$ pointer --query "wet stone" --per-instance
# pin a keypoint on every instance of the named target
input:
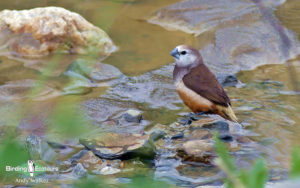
(178, 136)
(218, 125)
(79, 171)
(200, 134)
(75, 158)
(39, 149)
(119, 146)
(157, 134)
(197, 150)
(227, 80)
(95, 165)
(133, 116)
(20, 89)
(93, 70)
(107, 170)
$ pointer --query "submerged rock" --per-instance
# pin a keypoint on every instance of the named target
(24, 89)
(116, 146)
(40, 31)
(96, 71)
(242, 36)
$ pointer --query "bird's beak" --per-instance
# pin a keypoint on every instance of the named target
(175, 53)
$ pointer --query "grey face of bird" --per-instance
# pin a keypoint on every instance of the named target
(185, 56)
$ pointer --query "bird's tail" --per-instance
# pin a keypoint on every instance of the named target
(227, 113)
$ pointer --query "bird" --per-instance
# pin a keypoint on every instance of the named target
(197, 86)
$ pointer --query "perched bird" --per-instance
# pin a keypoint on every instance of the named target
(197, 86)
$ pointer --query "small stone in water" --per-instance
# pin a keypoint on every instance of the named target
(177, 136)
(107, 170)
(227, 80)
(133, 116)
(39, 148)
(79, 171)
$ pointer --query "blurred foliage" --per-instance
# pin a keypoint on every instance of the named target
(256, 177)
(145, 182)
(12, 153)
(137, 181)
(295, 164)
(90, 183)
(68, 120)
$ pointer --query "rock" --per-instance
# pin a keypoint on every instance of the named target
(200, 134)
(157, 134)
(117, 146)
(94, 164)
(159, 131)
(94, 70)
(241, 34)
(40, 31)
(197, 150)
(178, 136)
(22, 89)
(221, 126)
(133, 116)
(227, 80)
(104, 72)
(108, 170)
(211, 124)
(39, 149)
(78, 156)
(79, 171)
(294, 183)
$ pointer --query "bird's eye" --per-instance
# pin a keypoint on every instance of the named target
(183, 52)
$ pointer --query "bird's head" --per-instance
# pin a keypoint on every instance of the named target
(186, 56)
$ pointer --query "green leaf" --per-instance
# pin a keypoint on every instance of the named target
(90, 183)
(258, 175)
(11, 154)
(145, 182)
(295, 165)
(244, 177)
(222, 152)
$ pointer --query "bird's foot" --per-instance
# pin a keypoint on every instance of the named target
(200, 113)
(190, 118)
(196, 116)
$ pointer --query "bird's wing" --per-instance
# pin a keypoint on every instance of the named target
(202, 81)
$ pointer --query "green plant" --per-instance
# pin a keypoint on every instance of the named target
(256, 177)
(295, 164)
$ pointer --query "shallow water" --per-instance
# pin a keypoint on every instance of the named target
(265, 101)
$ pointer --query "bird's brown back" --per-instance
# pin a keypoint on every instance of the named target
(202, 81)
